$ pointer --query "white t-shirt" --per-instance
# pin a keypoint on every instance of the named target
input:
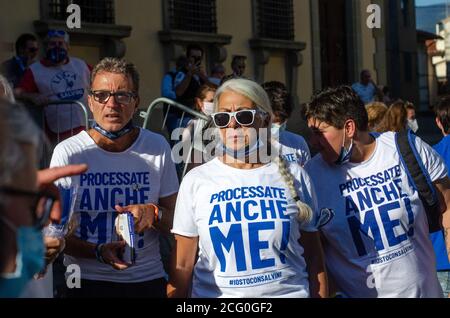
(389, 254)
(247, 229)
(292, 147)
(64, 82)
(141, 174)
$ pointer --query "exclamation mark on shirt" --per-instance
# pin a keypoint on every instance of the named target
(284, 240)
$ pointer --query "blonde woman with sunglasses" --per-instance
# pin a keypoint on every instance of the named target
(251, 216)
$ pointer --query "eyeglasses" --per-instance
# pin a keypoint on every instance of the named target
(40, 208)
(243, 117)
(120, 97)
(32, 49)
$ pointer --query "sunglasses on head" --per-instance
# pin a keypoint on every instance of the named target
(56, 33)
(244, 117)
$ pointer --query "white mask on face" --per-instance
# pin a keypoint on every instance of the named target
(412, 123)
(208, 108)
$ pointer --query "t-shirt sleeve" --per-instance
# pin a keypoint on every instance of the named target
(431, 160)
(27, 83)
(305, 155)
(60, 159)
(178, 79)
(167, 89)
(306, 193)
(169, 178)
(184, 221)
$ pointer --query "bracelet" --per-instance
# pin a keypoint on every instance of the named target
(98, 253)
(158, 213)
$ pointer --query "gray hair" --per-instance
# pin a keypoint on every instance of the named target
(247, 88)
(7, 92)
(259, 97)
(118, 66)
(17, 128)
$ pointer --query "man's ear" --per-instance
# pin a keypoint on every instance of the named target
(90, 102)
(350, 128)
(438, 123)
(138, 100)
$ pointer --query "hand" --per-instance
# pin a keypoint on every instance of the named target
(53, 246)
(192, 69)
(111, 254)
(40, 100)
(143, 215)
(45, 179)
(202, 73)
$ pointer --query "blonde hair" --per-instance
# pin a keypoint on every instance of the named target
(394, 119)
(304, 211)
(376, 112)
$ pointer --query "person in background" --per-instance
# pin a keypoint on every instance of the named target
(387, 99)
(238, 65)
(217, 73)
(168, 81)
(442, 111)
(377, 244)
(376, 112)
(26, 53)
(189, 79)
(411, 117)
(366, 88)
(57, 77)
(192, 134)
(292, 147)
(394, 119)
(168, 90)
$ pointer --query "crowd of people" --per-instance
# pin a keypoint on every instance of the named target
(256, 216)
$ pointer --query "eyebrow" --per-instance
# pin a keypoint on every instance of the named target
(237, 108)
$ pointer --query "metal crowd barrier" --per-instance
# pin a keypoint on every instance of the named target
(170, 103)
(66, 102)
(49, 146)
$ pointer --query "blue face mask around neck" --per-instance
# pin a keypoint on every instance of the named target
(345, 154)
(116, 134)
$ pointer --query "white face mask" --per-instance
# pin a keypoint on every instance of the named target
(208, 108)
(412, 123)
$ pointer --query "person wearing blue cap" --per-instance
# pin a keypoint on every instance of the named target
(56, 77)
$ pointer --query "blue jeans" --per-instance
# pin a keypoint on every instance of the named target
(444, 280)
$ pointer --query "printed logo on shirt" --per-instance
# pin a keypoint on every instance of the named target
(256, 217)
(290, 157)
(99, 193)
(375, 209)
(64, 86)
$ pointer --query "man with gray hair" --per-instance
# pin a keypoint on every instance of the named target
(131, 175)
(57, 77)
